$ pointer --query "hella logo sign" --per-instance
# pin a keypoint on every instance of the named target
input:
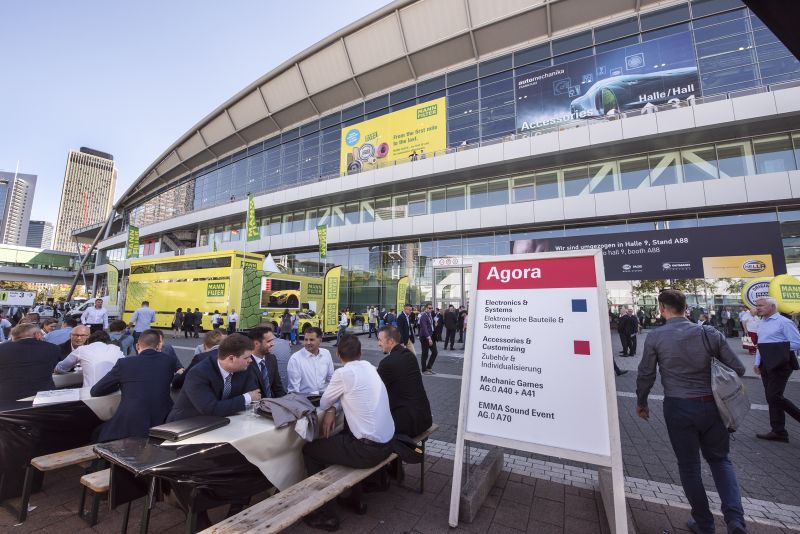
(754, 266)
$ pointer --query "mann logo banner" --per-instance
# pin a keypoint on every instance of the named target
(113, 283)
(331, 317)
(252, 226)
(410, 133)
(322, 234)
(215, 289)
(402, 289)
(133, 242)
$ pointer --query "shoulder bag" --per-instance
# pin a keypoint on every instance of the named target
(729, 393)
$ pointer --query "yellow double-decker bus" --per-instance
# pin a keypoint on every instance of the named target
(208, 281)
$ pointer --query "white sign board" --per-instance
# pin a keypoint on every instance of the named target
(538, 365)
(16, 298)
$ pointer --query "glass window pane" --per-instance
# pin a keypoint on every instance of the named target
(438, 201)
(603, 177)
(351, 213)
(275, 225)
(417, 204)
(367, 211)
(547, 185)
(299, 221)
(576, 181)
(337, 216)
(287, 224)
(383, 209)
(616, 30)
(324, 216)
(311, 220)
(524, 189)
(735, 159)
(699, 163)
(664, 17)
(634, 173)
(400, 206)
(455, 198)
(774, 154)
(497, 192)
(665, 168)
(477, 195)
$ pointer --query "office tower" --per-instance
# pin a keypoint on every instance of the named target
(87, 196)
(40, 234)
(16, 200)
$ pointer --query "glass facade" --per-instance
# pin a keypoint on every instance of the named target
(734, 51)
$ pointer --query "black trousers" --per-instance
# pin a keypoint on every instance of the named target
(231, 328)
(625, 339)
(434, 352)
(343, 449)
(633, 344)
(449, 338)
(774, 385)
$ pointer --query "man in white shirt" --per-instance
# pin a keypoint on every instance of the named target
(141, 320)
(95, 318)
(310, 369)
(343, 322)
(5, 325)
(744, 315)
(358, 391)
(96, 358)
(233, 318)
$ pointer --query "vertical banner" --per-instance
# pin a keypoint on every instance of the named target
(133, 242)
(402, 289)
(252, 226)
(331, 313)
(322, 234)
(112, 282)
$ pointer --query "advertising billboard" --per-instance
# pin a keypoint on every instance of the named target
(742, 251)
(403, 135)
(630, 78)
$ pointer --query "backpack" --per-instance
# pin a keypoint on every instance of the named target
(729, 393)
(118, 342)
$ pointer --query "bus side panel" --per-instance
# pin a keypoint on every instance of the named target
(235, 294)
(166, 297)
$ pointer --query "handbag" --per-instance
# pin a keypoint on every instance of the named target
(729, 393)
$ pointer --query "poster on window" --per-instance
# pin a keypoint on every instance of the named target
(636, 77)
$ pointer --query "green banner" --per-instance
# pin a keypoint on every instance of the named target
(252, 226)
(402, 289)
(322, 233)
(113, 284)
(331, 313)
(133, 242)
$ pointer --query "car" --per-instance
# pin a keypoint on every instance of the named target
(46, 311)
(288, 297)
(113, 311)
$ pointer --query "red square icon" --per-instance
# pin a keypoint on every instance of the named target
(581, 347)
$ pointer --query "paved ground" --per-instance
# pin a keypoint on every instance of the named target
(534, 493)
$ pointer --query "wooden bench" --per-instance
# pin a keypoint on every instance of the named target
(98, 483)
(52, 462)
(289, 506)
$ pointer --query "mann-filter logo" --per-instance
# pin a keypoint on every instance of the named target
(333, 288)
(315, 289)
(790, 292)
(215, 289)
(427, 111)
(754, 266)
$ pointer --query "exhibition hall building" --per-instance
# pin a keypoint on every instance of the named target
(434, 131)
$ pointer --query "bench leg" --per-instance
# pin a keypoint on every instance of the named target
(82, 503)
(26, 495)
(422, 469)
(125, 516)
(95, 509)
(191, 520)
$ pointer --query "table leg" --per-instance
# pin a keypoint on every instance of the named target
(148, 503)
(26, 495)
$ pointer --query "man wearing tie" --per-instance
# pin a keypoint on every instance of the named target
(219, 386)
(405, 326)
(264, 364)
(775, 360)
(428, 340)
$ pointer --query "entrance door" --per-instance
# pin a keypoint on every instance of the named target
(451, 286)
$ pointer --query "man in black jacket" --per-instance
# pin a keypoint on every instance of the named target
(450, 324)
(405, 326)
(26, 363)
(264, 364)
(145, 382)
(628, 327)
(219, 386)
(399, 371)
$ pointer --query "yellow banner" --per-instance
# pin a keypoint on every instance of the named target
(331, 317)
(133, 242)
(785, 289)
(409, 134)
(322, 234)
(402, 289)
(755, 266)
(112, 283)
(252, 226)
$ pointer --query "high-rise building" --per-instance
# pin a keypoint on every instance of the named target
(16, 200)
(86, 198)
(40, 234)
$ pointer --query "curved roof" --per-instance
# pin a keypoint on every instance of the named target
(402, 42)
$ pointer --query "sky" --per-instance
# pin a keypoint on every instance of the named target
(129, 78)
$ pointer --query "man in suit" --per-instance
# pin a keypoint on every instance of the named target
(144, 380)
(26, 363)
(77, 338)
(399, 371)
(428, 340)
(626, 327)
(211, 341)
(450, 324)
(405, 326)
(198, 322)
(219, 386)
(263, 364)
(778, 339)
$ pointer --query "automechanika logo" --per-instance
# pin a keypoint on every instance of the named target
(754, 266)
(676, 266)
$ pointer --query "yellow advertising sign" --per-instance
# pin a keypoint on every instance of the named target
(113, 284)
(404, 135)
(753, 266)
(785, 288)
(754, 290)
(402, 289)
(331, 310)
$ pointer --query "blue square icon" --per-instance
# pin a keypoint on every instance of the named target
(578, 305)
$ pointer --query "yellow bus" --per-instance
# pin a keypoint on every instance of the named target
(208, 281)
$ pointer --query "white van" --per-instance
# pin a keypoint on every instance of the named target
(113, 311)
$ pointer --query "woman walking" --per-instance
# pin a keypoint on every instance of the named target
(177, 322)
(286, 325)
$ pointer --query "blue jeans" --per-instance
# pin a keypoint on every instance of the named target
(294, 336)
(342, 331)
(695, 426)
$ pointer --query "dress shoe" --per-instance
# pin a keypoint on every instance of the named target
(772, 436)
(322, 521)
(622, 372)
(354, 505)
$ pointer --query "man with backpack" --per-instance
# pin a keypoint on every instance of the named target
(682, 351)
(121, 338)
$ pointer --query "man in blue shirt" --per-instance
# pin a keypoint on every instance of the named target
(142, 319)
(61, 335)
(778, 338)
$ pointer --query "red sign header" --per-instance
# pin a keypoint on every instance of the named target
(547, 273)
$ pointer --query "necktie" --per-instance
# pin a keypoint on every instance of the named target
(265, 376)
(226, 389)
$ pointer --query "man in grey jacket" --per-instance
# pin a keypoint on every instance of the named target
(693, 421)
